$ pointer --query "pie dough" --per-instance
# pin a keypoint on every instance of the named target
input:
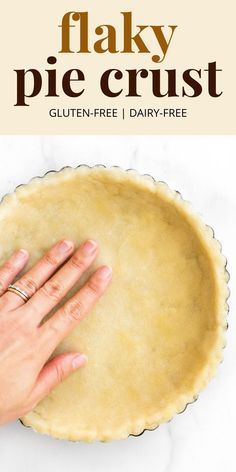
(155, 338)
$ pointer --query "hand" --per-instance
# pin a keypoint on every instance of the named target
(26, 375)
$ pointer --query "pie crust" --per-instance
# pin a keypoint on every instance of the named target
(156, 337)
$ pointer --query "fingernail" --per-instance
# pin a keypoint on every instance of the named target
(65, 246)
(21, 255)
(104, 273)
(79, 360)
(89, 247)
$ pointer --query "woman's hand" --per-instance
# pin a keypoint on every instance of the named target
(26, 375)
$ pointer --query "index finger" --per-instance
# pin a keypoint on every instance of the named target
(68, 316)
(55, 289)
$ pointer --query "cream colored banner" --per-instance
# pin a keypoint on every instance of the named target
(204, 40)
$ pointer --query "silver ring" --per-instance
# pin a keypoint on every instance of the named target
(19, 292)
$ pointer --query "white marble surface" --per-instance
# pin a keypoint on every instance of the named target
(202, 439)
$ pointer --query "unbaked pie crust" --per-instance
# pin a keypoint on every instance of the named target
(156, 337)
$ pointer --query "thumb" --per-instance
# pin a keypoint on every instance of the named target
(55, 371)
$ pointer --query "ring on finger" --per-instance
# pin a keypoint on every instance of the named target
(17, 291)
